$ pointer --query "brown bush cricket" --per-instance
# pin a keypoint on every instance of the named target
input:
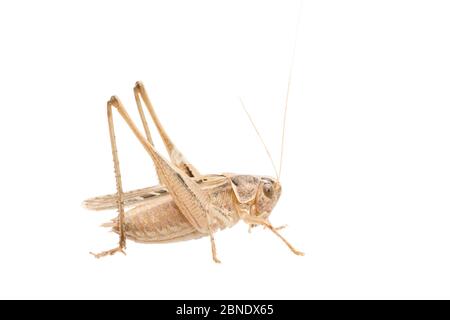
(186, 205)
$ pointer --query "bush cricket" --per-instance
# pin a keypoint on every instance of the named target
(186, 204)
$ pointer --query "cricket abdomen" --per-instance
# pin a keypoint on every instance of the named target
(160, 220)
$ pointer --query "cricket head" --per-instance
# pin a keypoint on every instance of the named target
(261, 194)
(269, 191)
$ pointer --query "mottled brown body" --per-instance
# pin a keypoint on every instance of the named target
(159, 220)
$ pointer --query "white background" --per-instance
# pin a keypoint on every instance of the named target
(366, 175)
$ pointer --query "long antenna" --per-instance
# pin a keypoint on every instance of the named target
(260, 137)
(289, 88)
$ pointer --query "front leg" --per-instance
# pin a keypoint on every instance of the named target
(259, 221)
(281, 227)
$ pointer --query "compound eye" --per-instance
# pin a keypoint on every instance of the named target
(268, 190)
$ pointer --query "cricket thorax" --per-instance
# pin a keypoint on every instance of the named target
(225, 214)
(258, 195)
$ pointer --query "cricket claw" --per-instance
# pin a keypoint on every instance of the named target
(108, 252)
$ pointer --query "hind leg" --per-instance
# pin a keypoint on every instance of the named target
(122, 239)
